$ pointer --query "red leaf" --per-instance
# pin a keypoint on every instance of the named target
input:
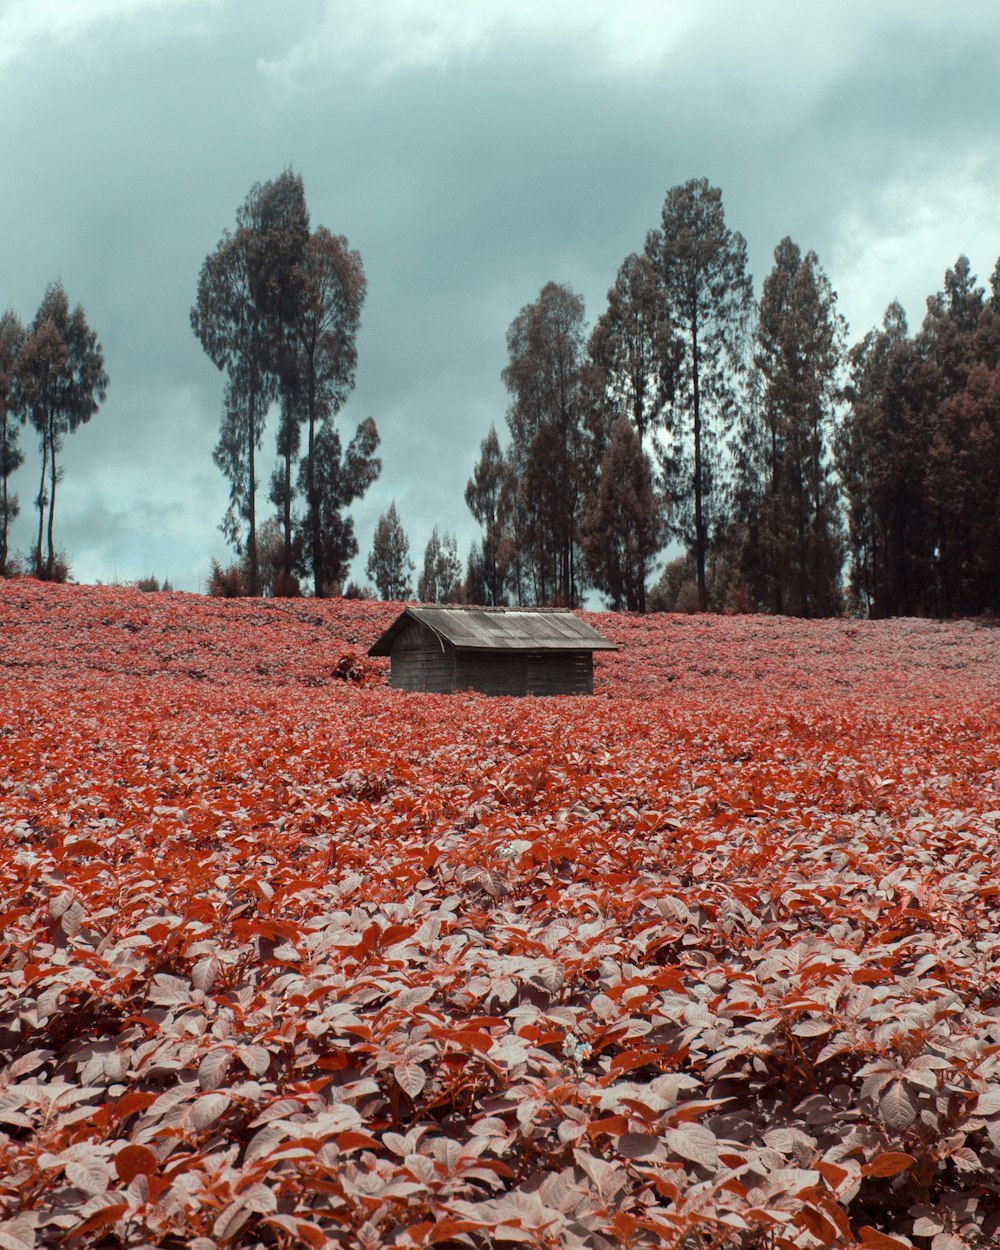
(132, 1161)
(446, 1230)
(837, 1215)
(306, 1231)
(834, 1174)
(613, 1125)
(100, 1219)
(469, 1039)
(624, 1226)
(889, 1164)
(352, 1140)
(311, 1234)
(629, 1060)
(808, 1218)
(395, 934)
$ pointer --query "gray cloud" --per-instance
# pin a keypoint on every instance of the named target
(470, 160)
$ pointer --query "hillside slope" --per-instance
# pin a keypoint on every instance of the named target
(710, 959)
(74, 630)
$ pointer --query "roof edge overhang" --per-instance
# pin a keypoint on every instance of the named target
(382, 645)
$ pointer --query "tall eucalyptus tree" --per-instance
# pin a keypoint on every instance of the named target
(545, 344)
(795, 551)
(62, 383)
(320, 366)
(249, 290)
(488, 494)
(706, 303)
(11, 455)
(633, 354)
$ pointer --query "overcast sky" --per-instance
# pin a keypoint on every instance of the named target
(471, 150)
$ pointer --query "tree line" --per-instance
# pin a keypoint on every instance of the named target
(792, 473)
(748, 434)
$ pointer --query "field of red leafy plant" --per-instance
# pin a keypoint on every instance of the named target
(290, 959)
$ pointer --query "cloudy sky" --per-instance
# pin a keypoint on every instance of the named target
(472, 150)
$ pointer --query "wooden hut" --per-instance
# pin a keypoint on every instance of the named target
(503, 651)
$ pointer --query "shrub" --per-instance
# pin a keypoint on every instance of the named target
(354, 667)
(285, 585)
(677, 589)
(14, 566)
(226, 583)
(59, 572)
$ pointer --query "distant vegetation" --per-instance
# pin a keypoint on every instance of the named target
(747, 432)
(278, 308)
(784, 471)
(152, 585)
(51, 377)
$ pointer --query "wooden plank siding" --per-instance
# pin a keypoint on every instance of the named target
(496, 651)
(525, 672)
(421, 661)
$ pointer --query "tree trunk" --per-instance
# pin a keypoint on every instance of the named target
(286, 562)
(314, 518)
(254, 586)
(40, 501)
(53, 478)
(4, 499)
(699, 519)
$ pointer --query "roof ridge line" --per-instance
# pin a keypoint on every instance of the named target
(482, 607)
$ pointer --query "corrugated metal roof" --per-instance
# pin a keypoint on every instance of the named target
(499, 629)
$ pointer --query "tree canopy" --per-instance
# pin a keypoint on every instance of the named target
(278, 307)
(793, 551)
(389, 563)
(739, 442)
(440, 580)
(545, 347)
(320, 377)
(248, 291)
(62, 383)
(918, 456)
(705, 297)
(338, 478)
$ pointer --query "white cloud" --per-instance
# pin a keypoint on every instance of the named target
(783, 49)
(26, 25)
(897, 243)
(393, 36)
